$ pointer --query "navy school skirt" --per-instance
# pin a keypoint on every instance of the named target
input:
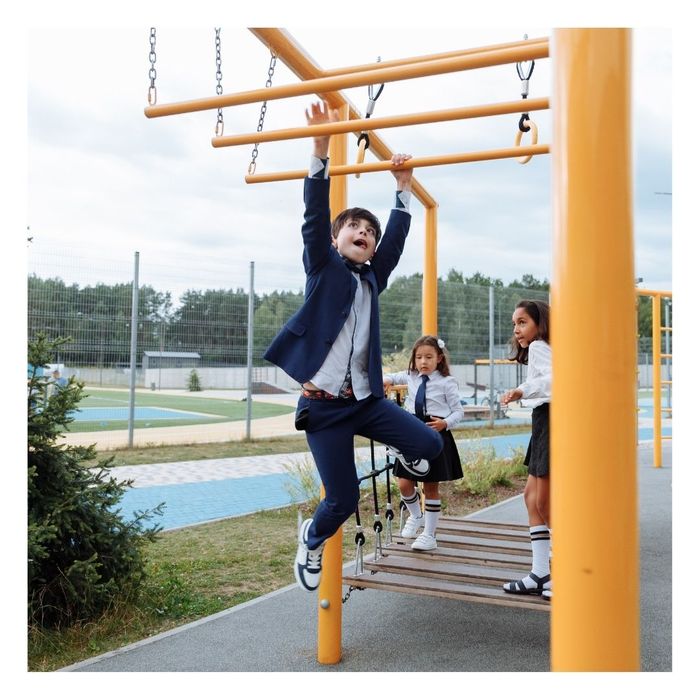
(447, 466)
(537, 457)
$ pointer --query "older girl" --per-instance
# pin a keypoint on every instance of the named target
(530, 345)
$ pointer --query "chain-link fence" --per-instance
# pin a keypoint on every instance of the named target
(193, 323)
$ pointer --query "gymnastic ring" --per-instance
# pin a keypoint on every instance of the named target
(363, 143)
(519, 136)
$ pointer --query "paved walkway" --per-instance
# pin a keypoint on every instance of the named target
(385, 631)
(204, 490)
(210, 489)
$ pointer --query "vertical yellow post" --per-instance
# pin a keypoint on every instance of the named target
(430, 295)
(330, 606)
(656, 368)
(595, 610)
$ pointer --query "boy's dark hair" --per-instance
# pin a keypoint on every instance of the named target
(538, 311)
(443, 366)
(356, 213)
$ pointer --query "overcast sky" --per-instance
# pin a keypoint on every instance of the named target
(105, 181)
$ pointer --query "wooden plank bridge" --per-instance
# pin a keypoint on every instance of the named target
(472, 561)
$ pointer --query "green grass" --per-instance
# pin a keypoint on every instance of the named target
(218, 410)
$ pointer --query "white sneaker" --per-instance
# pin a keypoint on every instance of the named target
(425, 542)
(410, 529)
(307, 565)
(416, 467)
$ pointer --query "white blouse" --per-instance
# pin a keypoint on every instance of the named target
(441, 395)
(537, 388)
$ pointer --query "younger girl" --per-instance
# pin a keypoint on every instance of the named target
(433, 396)
(530, 344)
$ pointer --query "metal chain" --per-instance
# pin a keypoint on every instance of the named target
(152, 92)
(263, 111)
(219, 129)
(346, 597)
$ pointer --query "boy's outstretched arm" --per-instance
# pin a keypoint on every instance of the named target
(403, 177)
(321, 113)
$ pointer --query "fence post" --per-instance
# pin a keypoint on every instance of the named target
(132, 353)
(249, 394)
(491, 367)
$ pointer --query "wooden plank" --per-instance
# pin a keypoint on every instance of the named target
(476, 543)
(481, 558)
(463, 528)
(444, 571)
(487, 524)
(445, 589)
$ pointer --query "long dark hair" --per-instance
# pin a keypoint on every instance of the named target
(443, 366)
(538, 311)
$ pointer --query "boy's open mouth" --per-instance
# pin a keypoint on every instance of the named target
(360, 243)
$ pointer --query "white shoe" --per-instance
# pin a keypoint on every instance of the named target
(410, 529)
(307, 565)
(416, 467)
(425, 542)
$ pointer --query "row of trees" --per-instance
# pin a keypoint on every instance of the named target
(214, 322)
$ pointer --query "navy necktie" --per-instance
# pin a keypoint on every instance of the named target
(420, 407)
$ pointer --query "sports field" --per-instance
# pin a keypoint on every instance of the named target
(109, 410)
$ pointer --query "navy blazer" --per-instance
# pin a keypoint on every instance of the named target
(303, 343)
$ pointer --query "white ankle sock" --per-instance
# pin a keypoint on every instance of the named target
(413, 504)
(432, 513)
(539, 537)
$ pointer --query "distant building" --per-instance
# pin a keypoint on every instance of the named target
(168, 360)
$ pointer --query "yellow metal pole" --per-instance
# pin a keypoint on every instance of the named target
(330, 606)
(421, 162)
(595, 610)
(356, 125)
(319, 86)
(430, 286)
(656, 369)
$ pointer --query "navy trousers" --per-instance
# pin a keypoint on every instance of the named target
(330, 428)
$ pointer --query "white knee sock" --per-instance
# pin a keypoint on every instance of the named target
(432, 513)
(539, 537)
(413, 503)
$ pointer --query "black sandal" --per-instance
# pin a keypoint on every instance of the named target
(519, 587)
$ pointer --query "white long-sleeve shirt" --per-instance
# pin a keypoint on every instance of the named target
(441, 395)
(352, 344)
(537, 387)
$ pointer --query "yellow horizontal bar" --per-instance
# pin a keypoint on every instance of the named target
(357, 125)
(319, 86)
(666, 355)
(667, 437)
(496, 154)
(432, 57)
(666, 381)
(653, 293)
(666, 328)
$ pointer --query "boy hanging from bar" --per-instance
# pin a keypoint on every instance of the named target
(331, 346)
